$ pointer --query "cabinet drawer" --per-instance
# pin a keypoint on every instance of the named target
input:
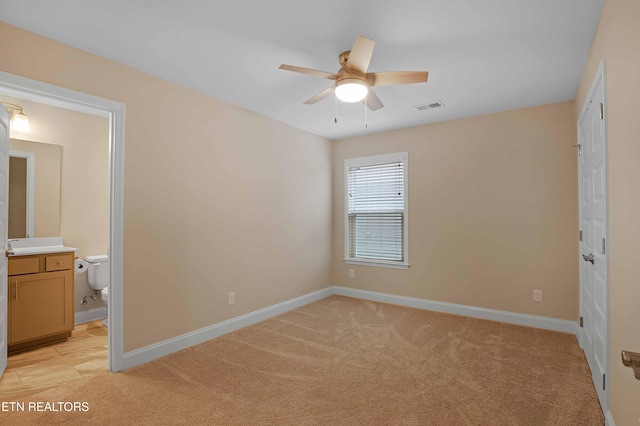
(25, 265)
(58, 263)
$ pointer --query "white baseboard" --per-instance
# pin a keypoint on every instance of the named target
(608, 419)
(82, 317)
(464, 310)
(160, 349)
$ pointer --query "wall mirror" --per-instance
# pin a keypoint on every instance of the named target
(34, 189)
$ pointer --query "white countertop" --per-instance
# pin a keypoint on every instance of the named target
(27, 246)
(40, 250)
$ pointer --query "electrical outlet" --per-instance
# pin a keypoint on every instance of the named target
(537, 295)
(351, 273)
(231, 298)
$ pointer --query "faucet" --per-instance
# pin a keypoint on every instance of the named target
(9, 247)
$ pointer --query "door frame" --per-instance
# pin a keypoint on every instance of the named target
(600, 75)
(49, 94)
(4, 230)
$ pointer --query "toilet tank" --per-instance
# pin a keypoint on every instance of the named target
(98, 273)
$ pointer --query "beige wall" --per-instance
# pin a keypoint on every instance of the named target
(47, 185)
(210, 205)
(492, 212)
(617, 41)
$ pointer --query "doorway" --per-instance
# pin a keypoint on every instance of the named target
(594, 259)
(36, 91)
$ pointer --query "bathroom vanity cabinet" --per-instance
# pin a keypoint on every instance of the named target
(40, 299)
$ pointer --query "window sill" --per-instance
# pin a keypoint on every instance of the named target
(379, 263)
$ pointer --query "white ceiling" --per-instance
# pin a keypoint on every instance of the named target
(483, 56)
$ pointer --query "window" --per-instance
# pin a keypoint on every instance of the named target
(376, 210)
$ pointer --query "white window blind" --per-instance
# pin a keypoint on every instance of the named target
(376, 213)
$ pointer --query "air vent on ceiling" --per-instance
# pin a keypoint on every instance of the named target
(432, 105)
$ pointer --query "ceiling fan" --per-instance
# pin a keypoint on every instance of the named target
(353, 82)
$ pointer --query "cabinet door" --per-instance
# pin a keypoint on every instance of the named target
(41, 305)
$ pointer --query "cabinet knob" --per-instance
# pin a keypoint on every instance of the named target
(59, 262)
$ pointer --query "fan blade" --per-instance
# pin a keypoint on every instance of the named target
(360, 54)
(320, 96)
(373, 101)
(389, 78)
(309, 71)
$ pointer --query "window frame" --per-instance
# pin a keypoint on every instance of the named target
(370, 161)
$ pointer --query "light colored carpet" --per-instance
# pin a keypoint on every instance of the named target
(343, 361)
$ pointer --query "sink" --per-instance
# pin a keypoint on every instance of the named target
(26, 246)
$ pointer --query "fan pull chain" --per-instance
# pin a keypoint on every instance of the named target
(335, 119)
(365, 111)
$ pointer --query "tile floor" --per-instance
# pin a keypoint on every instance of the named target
(84, 354)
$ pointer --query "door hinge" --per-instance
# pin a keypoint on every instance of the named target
(581, 322)
(580, 235)
(601, 111)
(604, 246)
(604, 381)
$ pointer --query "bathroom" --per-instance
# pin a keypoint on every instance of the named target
(71, 200)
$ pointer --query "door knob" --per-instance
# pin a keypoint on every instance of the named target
(632, 359)
(588, 258)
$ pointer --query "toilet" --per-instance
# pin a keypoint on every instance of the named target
(98, 277)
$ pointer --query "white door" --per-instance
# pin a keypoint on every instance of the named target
(594, 292)
(4, 214)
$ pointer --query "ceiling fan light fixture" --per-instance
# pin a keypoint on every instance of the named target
(351, 91)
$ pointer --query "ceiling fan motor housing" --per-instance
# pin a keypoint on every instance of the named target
(348, 75)
(344, 57)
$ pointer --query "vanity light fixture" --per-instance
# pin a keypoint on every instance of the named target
(19, 120)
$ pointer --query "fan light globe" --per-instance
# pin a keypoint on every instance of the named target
(351, 92)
